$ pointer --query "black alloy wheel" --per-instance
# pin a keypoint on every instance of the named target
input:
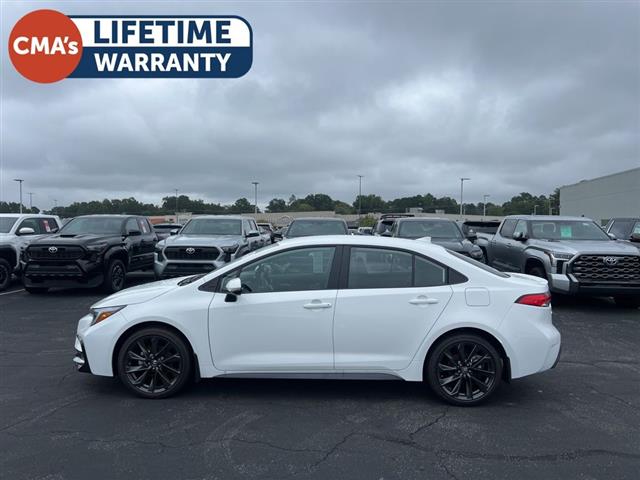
(115, 276)
(154, 363)
(5, 274)
(464, 369)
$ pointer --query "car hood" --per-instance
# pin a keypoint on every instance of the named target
(139, 293)
(201, 240)
(80, 239)
(605, 247)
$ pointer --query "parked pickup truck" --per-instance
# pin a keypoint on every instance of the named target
(574, 254)
(17, 230)
(625, 229)
(206, 243)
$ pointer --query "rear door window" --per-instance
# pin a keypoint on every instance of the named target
(380, 268)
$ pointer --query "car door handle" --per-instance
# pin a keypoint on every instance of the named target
(315, 305)
(423, 301)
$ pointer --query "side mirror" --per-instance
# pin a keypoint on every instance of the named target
(520, 236)
(612, 236)
(134, 233)
(277, 236)
(635, 237)
(253, 233)
(174, 231)
(386, 233)
(234, 286)
(26, 231)
(472, 236)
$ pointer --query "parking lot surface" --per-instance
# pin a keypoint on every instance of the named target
(580, 420)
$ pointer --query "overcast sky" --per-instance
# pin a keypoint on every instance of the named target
(519, 97)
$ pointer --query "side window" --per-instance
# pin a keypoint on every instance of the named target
(521, 227)
(508, 227)
(245, 226)
(429, 274)
(30, 223)
(132, 225)
(143, 226)
(48, 225)
(296, 270)
(379, 268)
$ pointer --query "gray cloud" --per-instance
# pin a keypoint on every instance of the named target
(519, 97)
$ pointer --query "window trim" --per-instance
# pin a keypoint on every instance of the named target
(334, 273)
(346, 259)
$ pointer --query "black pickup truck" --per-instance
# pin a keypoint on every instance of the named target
(90, 251)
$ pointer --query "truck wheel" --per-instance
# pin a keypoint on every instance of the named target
(36, 290)
(627, 301)
(5, 274)
(537, 271)
(114, 276)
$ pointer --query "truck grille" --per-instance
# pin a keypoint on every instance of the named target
(192, 253)
(607, 268)
(53, 252)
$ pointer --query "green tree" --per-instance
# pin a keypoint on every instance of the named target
(277, 205)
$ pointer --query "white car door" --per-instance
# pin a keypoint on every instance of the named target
(283, 320)
(389, 303)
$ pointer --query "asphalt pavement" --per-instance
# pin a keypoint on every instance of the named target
(580, 420)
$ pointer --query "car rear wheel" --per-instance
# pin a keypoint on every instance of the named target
(5, 274)
(154, 363)
(464, 369)
(114, 277)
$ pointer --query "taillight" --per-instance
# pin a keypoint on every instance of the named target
(535, 299)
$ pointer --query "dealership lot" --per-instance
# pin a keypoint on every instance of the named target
(579, 420)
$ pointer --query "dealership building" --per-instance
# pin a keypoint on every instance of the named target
(602, 198)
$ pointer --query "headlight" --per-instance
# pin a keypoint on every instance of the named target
(100, 314)
(97, 247)
(230, 248)
(560, 255)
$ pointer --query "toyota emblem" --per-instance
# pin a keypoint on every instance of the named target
(610, 261)
(190, 250)
(53, 249)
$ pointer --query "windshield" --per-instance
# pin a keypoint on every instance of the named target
(567, 230)
(213, 226)
(95, 225)
(6, 223)
(478, 264)
(429, 228)
(305, 228)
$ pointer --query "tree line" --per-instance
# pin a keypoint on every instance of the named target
(523, 203)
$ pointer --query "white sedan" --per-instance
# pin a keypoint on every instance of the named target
(328, 307)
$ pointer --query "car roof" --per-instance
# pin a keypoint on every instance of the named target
(227, 217)
(422, 219)
(547, 217)
(26, 215)
(631, 219)
(322, 219)
(360, 240)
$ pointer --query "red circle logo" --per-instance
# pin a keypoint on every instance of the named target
(45, 46)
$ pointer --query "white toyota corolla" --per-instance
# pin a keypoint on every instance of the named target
(328, 307)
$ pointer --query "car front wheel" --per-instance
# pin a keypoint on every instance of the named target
(464, 369)
(5, 274)
(114, 276)
(154, 363)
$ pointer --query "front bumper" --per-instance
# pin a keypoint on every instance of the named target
(80, 360)
(70, 274)
(569, 285)
(166, 268)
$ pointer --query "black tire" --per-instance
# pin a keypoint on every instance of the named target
(627, 301)
(154, 363)
(37, 290)
(114, 276)
(464, 369)
(537, 271)
(5, 274)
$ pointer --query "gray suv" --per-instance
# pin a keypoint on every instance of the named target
(206, 243)
(16, 231)
(574, 254)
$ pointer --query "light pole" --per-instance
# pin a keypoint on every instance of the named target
(30, 200)
(462, 179)
(19, 180)
(176, 190)
(359, 196)
(535, 209)
(255, 192)
(484, 205)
